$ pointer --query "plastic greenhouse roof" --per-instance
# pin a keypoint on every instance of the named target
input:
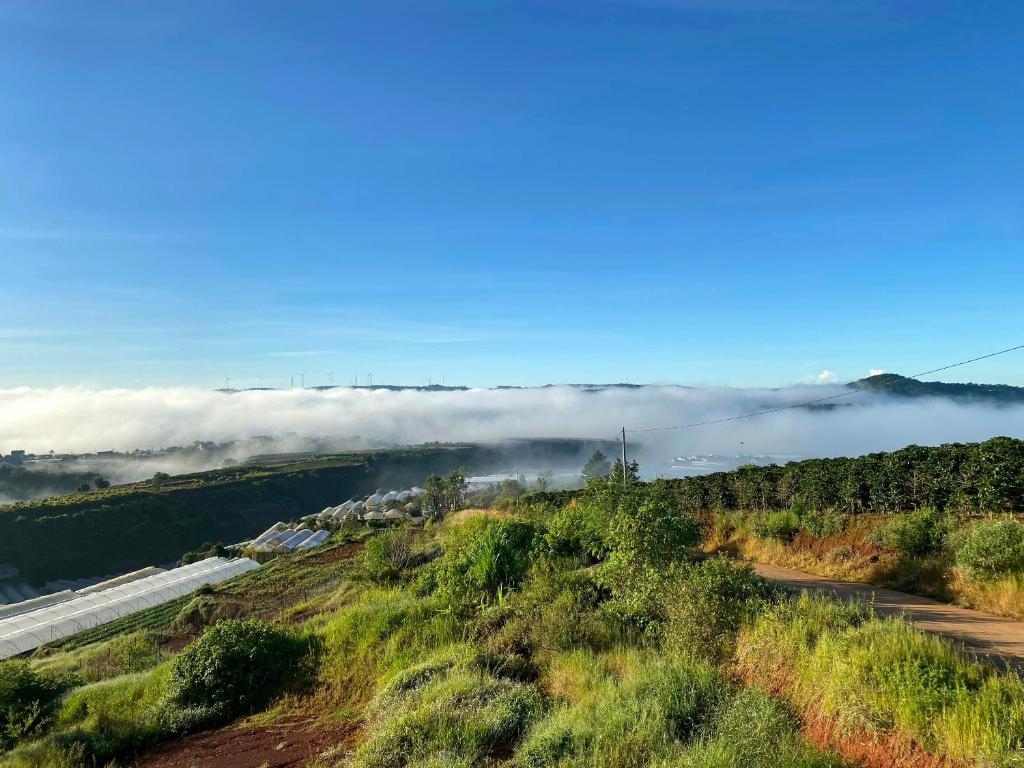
(27, 631)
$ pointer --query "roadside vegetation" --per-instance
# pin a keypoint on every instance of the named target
(584, 632)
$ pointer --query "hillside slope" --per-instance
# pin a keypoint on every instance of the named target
(902, 386)
(128, 527)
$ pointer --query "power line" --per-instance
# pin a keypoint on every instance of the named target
(852, 391)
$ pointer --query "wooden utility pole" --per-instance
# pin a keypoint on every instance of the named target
(623, 457)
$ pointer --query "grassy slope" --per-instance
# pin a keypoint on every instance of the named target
(538, 677)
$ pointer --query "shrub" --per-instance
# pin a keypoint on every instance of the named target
(556, 610)
(578, 530)
(27, 701)
(482, 558)
(389, 553)
(235, 667)
(707, 606)
(915, 533)
(647, 527)
(776, 525)
(991, 549)
(822, 524)
(649, 536)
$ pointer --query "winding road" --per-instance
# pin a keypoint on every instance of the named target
(998, 639)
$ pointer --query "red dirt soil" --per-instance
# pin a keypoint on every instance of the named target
(287, 743)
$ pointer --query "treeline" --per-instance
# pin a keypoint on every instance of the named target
(961, 477)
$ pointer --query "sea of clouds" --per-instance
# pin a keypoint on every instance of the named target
(83, 420)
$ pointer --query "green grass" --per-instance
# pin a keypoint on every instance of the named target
(544, 673)
(884, 677)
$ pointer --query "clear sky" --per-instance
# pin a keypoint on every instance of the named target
(698, 191)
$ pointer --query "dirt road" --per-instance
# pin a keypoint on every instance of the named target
(1000, 639)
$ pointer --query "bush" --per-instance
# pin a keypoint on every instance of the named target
(915, 533)
(822, 524)
(483, 557)
(235, 667)
(781, 526)
(649, 528)
(649, 536)
(386, 555)
(578, 530)
(27, 701)
(708, 605)
(991, 549)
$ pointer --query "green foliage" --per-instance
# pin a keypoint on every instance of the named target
(439, 716)
(579, 531)
(626, 709)
(120, 655)
(915, 533)
(235, 667)
(389, 553)
(27, 701)
(203, 551)
(884, 676)
(649, 534)
(755, 730)
(597, 466)
(820, 524)
(556, 610)
(991, 549)
(708, 604)
(483, 558)
(782, 525)
(649, 528)
(966, 477)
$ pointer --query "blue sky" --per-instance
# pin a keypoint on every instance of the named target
(744, 192)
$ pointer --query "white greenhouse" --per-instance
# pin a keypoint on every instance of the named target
(27, 631)
(315, 540)
(295, 540)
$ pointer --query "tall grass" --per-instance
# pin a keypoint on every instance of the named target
(877, 676)
(632, 708)
(386, 630)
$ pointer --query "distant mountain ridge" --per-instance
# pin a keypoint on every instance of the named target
(902, 386)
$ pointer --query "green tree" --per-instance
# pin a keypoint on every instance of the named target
(434, 495)
(597, 466)
(455, 487)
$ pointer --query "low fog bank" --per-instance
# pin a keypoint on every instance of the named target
(85, 420)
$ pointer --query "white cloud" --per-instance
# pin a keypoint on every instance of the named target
(826, 377)
(876, 372)
(83, 419)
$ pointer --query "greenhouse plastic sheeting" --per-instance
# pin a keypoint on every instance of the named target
(295, 540)
(27, 631)
(315, 540)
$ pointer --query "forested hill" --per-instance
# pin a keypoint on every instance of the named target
(902, 386)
